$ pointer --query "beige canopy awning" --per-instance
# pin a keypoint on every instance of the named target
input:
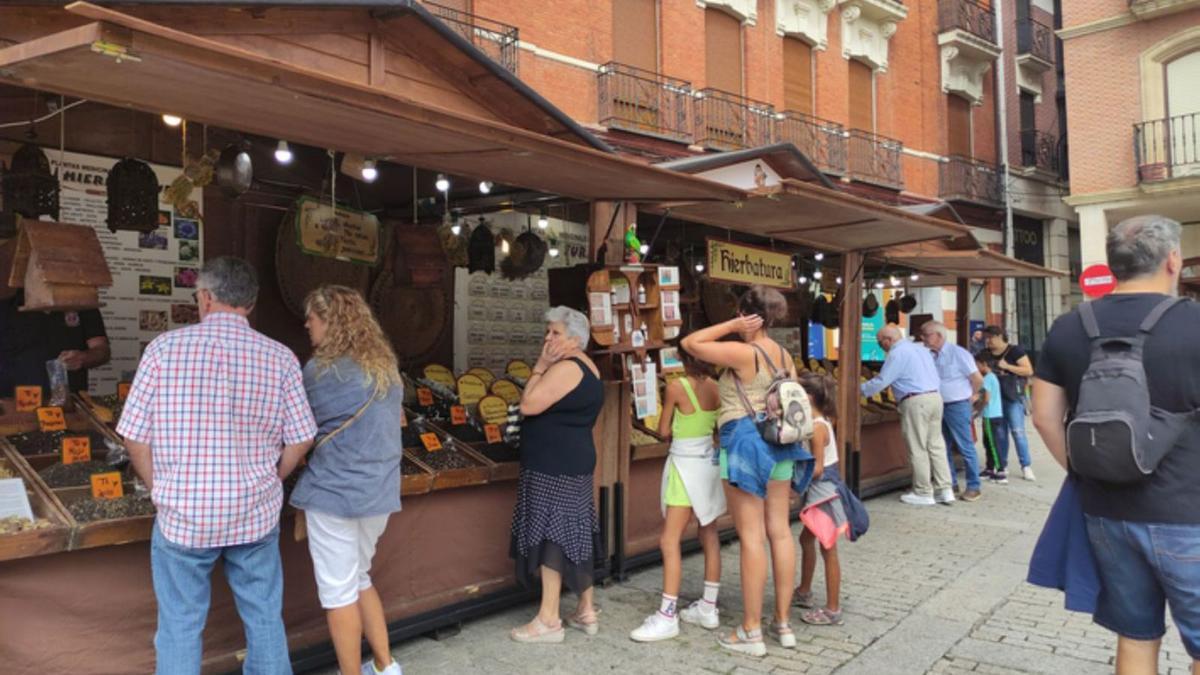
(935, 258)
(123, 60)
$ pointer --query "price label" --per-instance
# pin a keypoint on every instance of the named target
(519, 370)
(492, 432)
(51, 418)
(483, 374)
(458, 415)
(507, 391)
(424, 396)
(431, 442)
(107, 485)
(439, 374)
(493, 410)
(123, 390)
(28, 398)
(471, 389)
(76, 449)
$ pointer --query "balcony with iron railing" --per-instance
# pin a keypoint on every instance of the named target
(822, 141)
(1040, 151)
(1035, 39)
(874, 159)
(499, 41)
(1168, 148)
(963, 179)
(644, 102)
(726, 121)
(968, 16)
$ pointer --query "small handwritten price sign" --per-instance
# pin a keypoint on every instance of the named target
(424, 396)
(28, 398)
(492, 432)
(458, 415)
(107, 485)
(123, 390)
(51, 418)
(76, 449)
(431, 442)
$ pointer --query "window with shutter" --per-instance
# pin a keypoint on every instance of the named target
(723, 51)
(958, 113)
(797, 76)
(635, 34)
(862, 96)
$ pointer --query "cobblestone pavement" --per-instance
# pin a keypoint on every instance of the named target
(927, 590)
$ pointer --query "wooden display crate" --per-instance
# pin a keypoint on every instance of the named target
(35, 542)
(103, 532)
(416, 483)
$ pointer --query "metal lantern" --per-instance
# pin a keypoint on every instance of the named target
(29, 188)
(132, 196)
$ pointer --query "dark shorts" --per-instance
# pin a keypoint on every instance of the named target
(1144, 567)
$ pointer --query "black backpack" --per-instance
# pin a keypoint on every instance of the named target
(1116, 435)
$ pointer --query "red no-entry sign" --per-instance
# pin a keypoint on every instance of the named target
(1097, 281)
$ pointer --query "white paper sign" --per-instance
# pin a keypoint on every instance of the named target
(13, 500)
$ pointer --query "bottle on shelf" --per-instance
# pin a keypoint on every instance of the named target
(628, 324)
(641, 294)
(616, 333)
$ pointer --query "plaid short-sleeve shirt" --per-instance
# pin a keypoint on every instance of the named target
(216, 403)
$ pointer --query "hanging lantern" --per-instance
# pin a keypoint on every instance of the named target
(30, 190)
(132, 196)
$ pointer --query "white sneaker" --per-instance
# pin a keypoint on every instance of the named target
(1027, 473)
(696, 613)
(656, 627)
(368, 668)
(914, 499)
(945, 496)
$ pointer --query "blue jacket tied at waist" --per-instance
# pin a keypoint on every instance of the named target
(751, 458)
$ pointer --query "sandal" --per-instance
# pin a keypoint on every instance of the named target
(588, 622)
(805, 600)
(536, 632)
(744, 643)
(822, 616)
(783, 633)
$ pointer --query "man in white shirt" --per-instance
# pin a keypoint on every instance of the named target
(960, 383)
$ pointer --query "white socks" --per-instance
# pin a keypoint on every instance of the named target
(711, 590)
(669, 606)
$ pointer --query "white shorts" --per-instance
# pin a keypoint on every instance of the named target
(341, 549)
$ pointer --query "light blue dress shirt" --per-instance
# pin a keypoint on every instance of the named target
(955, 366)
(908, 369)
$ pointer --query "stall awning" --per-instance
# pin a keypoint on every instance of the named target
(123, 60)
(815, 216)
(935, 258)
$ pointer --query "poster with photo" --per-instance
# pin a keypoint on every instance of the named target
(154, 273)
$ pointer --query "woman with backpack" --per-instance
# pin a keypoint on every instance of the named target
(757, 474)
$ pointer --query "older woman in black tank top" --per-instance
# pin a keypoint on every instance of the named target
(554, 531)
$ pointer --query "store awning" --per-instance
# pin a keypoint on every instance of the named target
(815, 216)
(123, 60)
(936, 259)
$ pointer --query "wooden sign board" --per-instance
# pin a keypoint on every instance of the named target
(748, 265)
(346, 234)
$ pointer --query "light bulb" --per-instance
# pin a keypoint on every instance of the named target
(645, 249)
(369, 172)
(819, 257)
(793, 263)
(839, 281)
(818, 274)
(456, 229)
(699, 267)
(914, 277)
(485, 187)
(803, 279)
(879, 284)
(553, 251)
(894, 281)
(504, 246)
(543, 221)
(443, 183)
(172, 120)
(283, 154)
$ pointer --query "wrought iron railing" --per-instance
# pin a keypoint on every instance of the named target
(967, 15)
(970, 180)
(874, 159)
(499, 41)
(1036, 39)
(1167, 148)
(824, 142)
(726, 121)
(1039, 150)
(644, 102)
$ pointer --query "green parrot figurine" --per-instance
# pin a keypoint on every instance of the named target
(633, 245)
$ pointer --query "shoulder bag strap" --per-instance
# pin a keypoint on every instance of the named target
(770, 363)
(1088, 316)
(345, 425)
(1157, 313)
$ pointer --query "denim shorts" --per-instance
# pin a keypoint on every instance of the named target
(1143, 568)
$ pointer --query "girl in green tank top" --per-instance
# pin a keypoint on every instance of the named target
(691, 485)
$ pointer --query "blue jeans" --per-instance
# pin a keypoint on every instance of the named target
(995, 443)
(1014, 414)
(956, 429)
(1144, 567)
(182, 585)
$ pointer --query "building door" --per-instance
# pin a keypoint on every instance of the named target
(797, 76)
(1028, 113)
(958, 111)
(637, 96)
(1183, 114)
(1032, 319)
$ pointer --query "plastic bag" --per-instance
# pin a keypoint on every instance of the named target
(60, 391)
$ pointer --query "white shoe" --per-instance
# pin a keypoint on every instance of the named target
(914, 499)
(696, 614)
(945, 496)
(393, 668)
(656, 627)
(1027, 473)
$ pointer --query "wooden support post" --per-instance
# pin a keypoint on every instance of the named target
(962, 312)
(378, 60)
(602, 215)
(849, 430)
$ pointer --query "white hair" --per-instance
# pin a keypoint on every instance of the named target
(574, 321)
(939, 327)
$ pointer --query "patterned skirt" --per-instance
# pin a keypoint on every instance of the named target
(554, 524)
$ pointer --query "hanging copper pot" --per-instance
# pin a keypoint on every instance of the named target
(235, 172)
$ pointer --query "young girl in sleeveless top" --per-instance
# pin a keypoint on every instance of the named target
(691, 483)
(830, 522)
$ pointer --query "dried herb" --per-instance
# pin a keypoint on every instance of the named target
(72, 475)
(129, 506)
(409, 468)
(14, 524)
(445, 459)
(500, 452)
(50, 442)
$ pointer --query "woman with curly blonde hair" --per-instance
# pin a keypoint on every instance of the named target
(352, 482)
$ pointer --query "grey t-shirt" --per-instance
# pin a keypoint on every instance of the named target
(357, 472)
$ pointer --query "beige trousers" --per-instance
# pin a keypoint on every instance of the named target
(921, 424)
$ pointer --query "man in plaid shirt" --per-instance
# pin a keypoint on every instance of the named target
(217, 417)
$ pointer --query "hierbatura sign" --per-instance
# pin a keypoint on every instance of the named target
(748, 265)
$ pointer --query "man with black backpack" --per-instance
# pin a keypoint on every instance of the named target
(1115, 399)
